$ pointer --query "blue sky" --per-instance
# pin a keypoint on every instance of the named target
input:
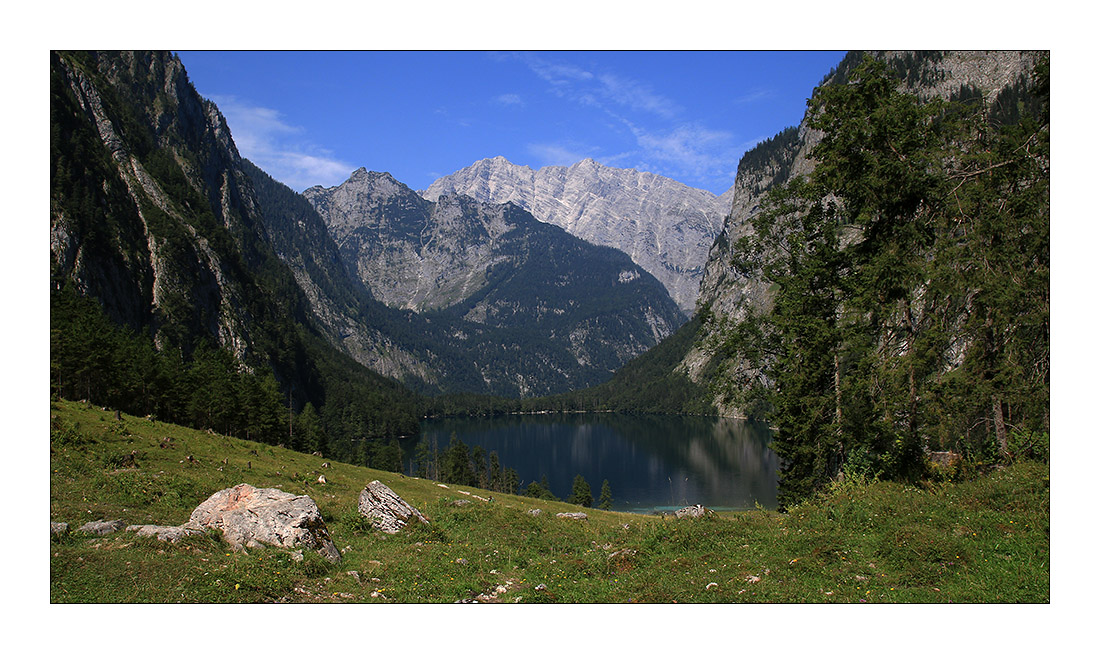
(313, 117)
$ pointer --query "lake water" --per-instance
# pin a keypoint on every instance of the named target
(653, 463)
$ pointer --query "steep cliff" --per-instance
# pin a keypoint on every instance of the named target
(153, 216)
(150, 212)
(666, 227)
(995, 77)
(501, 273)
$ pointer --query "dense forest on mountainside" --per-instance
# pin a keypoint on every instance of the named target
(158, 257)
(911, 275)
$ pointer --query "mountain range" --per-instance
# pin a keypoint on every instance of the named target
(156, 216)
(665, 226)
(497, 279)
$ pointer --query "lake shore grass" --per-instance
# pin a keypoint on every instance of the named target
(984, 540)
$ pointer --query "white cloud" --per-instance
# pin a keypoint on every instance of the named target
(510, 99)
(555, 154)
(636, 96)
(691, 150)
(281, 150)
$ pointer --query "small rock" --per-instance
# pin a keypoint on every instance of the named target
(535, 512)
(321, 480)
(696, 511)
(460, 502)
(540, 587)
(297, 555)
(461, 561)
(165, 534)
(575, 516)
(58, 528)
(101, 527)
(712, 585)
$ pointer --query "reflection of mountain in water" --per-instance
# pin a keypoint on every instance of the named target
(650, 461)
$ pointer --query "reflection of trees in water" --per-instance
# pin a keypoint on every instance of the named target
(689, 457)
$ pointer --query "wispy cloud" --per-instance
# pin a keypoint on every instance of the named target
(600, 89)
(556, 154)
(510, 99)
(282, 150)
(754, 96)
(690, 148)
(637, 96)
(664, 138)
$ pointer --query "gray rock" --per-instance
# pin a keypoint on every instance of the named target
(460, 502)
(665, 226)
(389, 512)
(58, 528)
(575, 516)
(101, 527)
(947, 460)
(249, 517)
(535, 512)
(166, 534)
(696, 511)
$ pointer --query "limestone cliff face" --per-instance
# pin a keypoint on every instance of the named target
(494, 266)
(926, 74)
(664, 226)
(161, 186)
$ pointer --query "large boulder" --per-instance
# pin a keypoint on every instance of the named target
(248, 517)
(386, 510)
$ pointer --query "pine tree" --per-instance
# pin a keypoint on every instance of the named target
(581, 493)
(605, 496)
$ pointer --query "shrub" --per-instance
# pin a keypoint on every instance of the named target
(1028, 444)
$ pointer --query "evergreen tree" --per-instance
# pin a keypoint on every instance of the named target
(511, 481)
(455, 466)
(496, 483)
(581, 493)
(910, 277)
(480, 467)
(605, 496)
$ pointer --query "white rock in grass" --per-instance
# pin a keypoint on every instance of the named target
(389, 512)
(249, 517)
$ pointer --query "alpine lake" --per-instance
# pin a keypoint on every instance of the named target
(652, 463)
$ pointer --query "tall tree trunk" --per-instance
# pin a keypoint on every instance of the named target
(839, 415)
(999, 427)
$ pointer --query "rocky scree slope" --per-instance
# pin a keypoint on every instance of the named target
(664, 226)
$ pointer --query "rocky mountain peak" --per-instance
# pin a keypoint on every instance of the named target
(664, 226)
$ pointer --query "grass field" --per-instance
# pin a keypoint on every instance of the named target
(986, 540)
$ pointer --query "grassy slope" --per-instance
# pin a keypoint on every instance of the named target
(981, 541)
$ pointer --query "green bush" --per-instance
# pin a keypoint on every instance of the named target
(1028, 444)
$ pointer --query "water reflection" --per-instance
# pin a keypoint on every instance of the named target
(651, 462)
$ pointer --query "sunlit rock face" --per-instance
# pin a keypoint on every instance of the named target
(664, 226)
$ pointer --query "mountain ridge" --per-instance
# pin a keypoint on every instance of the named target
(496, 267)
(665, 226)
